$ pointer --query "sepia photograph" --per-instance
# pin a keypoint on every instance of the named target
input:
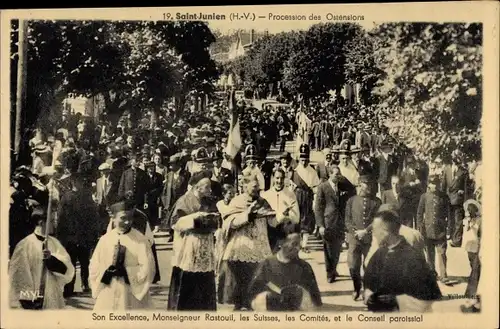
(295, 172)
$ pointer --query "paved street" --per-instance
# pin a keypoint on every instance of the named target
(336, 296)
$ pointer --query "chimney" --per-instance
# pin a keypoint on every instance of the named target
(252, 34)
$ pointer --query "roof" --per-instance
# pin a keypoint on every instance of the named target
(245, 38)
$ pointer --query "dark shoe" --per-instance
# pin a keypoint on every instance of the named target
(455, 245)
(170, 238)
(86, 289)
(331, 279)
(469, 309)
(356, 295)
(68, 294)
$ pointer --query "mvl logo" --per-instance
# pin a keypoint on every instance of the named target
(30, 295)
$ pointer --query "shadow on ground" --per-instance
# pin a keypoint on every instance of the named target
(342, 308)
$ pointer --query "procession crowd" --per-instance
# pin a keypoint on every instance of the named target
(96, 194)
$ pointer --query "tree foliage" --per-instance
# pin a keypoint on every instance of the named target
(431, 89)
(360, 67)
(319, 64)
(134, 65)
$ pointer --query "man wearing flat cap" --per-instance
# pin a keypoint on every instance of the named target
(122, 267)
(359, 213)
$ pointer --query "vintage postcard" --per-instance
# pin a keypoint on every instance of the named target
(250, 166)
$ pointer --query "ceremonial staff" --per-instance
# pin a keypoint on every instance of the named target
(38, 303)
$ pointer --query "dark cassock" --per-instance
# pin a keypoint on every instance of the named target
(281, 285)
(194, 220)
(400, 271)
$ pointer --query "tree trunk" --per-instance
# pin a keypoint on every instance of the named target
(21, 85)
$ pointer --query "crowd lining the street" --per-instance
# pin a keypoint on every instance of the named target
(96, 194)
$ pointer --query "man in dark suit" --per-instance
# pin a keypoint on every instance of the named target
(323, 133)
(175, 186)
(154, 188)
(78, 227)
(322, 167)
(103, 187)
(329, 210)
(455, 184)
(316, 130)
(359, 213)
(133, 183)
(433, 211)
(118, 163)
(386, 167)
(401, 199)
(220, 174)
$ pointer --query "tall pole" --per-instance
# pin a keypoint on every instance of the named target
(21, 84)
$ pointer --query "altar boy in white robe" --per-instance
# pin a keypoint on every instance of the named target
(25, 269)
(122, 267)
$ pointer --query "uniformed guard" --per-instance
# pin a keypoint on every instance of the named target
(434, 211)
(359, 214)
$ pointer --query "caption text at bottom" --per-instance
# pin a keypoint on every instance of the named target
(256, 317)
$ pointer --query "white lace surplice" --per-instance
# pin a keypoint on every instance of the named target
(194, 252)
(249, 243)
